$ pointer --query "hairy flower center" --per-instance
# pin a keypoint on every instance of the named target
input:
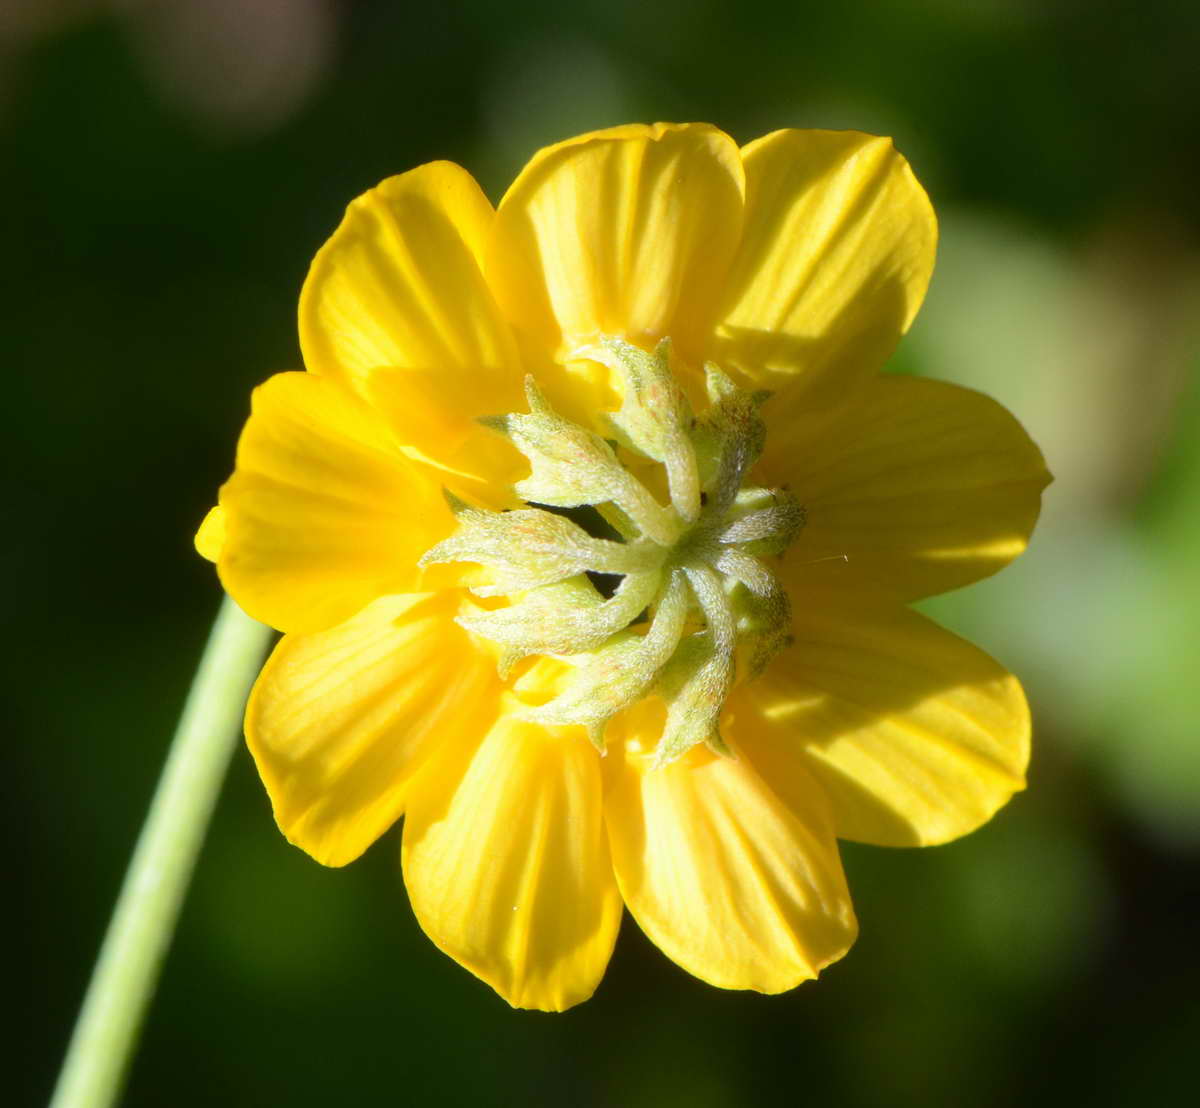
(693, 587)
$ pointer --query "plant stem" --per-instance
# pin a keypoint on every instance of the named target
(148, 905)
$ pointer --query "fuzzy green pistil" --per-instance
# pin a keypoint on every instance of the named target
(695, 565)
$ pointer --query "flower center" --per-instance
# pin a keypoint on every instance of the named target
(695, 599)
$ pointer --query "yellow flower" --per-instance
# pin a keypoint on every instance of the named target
(656, 363)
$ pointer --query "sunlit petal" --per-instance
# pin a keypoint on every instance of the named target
(398, 289)
(738, 887)
(340, 720)
(623, 232)
(323, 513)
(210, 538)
(915, 735)
(507, 866)
(837, 252)
(920, 487)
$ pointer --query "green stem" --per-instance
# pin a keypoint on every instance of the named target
(148, 905)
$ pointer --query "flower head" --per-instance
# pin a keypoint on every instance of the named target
(591, 528)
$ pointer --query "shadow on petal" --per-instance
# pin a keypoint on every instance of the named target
(916, 736)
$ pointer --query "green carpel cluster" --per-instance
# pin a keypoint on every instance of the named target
(695, 565)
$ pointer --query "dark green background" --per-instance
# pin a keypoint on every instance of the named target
(166, 173)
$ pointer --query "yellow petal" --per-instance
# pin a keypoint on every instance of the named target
(323, 512)
(340, 720)
(737, 887)
(921, 487)
(835, 258)
(621, 232)
(507, 866)
(436, 415)
(398, 287)
(210, 538)
(916, 736)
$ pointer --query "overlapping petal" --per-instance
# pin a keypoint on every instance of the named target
(920, 487)
(626, 232)
(796, 264)
(341, 720)
(738, 887)
(836, 254)
(398, 291)
(507, 865)
(210, 538)
(323, 513)
(915, 735)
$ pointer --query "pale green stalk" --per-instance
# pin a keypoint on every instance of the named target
(148, 905)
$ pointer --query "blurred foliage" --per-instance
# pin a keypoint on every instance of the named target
(170, 167)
